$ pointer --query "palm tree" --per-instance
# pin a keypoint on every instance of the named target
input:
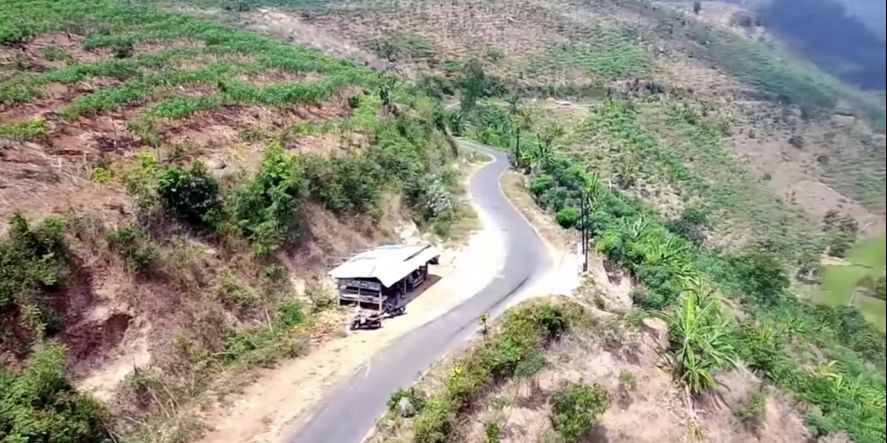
(457, 123)
(387, 84)
(521, 118)
(547, 139)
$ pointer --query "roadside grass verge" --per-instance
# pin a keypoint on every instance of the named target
(511, 348)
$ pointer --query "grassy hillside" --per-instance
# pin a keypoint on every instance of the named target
(625, 47)
(169, 182)
(854, 281)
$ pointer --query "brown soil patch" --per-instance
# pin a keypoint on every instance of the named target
(219, 128)
(71, 44)
(457, 31)
(696, 78)
(56, 96)
(288, 26)
(37, 182)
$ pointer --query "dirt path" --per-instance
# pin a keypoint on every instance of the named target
(283, 397)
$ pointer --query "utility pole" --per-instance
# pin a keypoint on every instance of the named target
(584, 219)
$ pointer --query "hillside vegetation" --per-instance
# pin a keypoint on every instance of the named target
(719, 173)
(173, 188)
(174, 185)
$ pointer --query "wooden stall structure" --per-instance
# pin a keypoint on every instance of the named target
(379, 278)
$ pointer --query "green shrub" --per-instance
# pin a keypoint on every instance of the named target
(54, 54)
(123, 48)
(402, 45)
(190, 195)
(291, 314)
(687, 230)
(761, 276)
(238, 5)
(140, 180)
(575, 410)
(567, 217)
(100, 175)
(416, 397)
(820, 426)
(524, 331)
(264, 209)
(700, 341)
(751, 411)
(430, 196)
(345, 184)
(628, 380)
(32, 261)
(540, 184)
(233, 293)
(492, 432)
(434, 424)
(40, 405)
(34, 129)
(134, 245)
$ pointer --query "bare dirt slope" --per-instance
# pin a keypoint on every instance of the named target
(289, 27)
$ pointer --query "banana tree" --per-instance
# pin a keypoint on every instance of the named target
(700, 340)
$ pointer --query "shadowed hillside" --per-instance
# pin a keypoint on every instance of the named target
(836, 41)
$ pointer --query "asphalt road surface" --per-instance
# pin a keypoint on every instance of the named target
(353, 407)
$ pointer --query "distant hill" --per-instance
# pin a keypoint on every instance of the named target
(845, 40)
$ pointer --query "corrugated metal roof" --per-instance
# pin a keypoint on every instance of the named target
(388, 263)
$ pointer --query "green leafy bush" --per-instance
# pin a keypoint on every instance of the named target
(840, 233)
(751, 411)
(190, 195)
(402, 45)
(291, 314)
(761, 276)
(134, 245)
(264, 209)
(567, 217)
(345, 184)
(524, 331)
(264, 344)
(575, 410)
(100, 175)
(434, 424)
(492, 432)
(34, 129)
(140, 180)
(628, 380)
(700, 341)
(416, 397)
(541, 184)
(32, 261)
(38, 404)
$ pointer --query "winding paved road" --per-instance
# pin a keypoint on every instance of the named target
(352, 408)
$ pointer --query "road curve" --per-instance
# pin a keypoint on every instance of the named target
(352, 408)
